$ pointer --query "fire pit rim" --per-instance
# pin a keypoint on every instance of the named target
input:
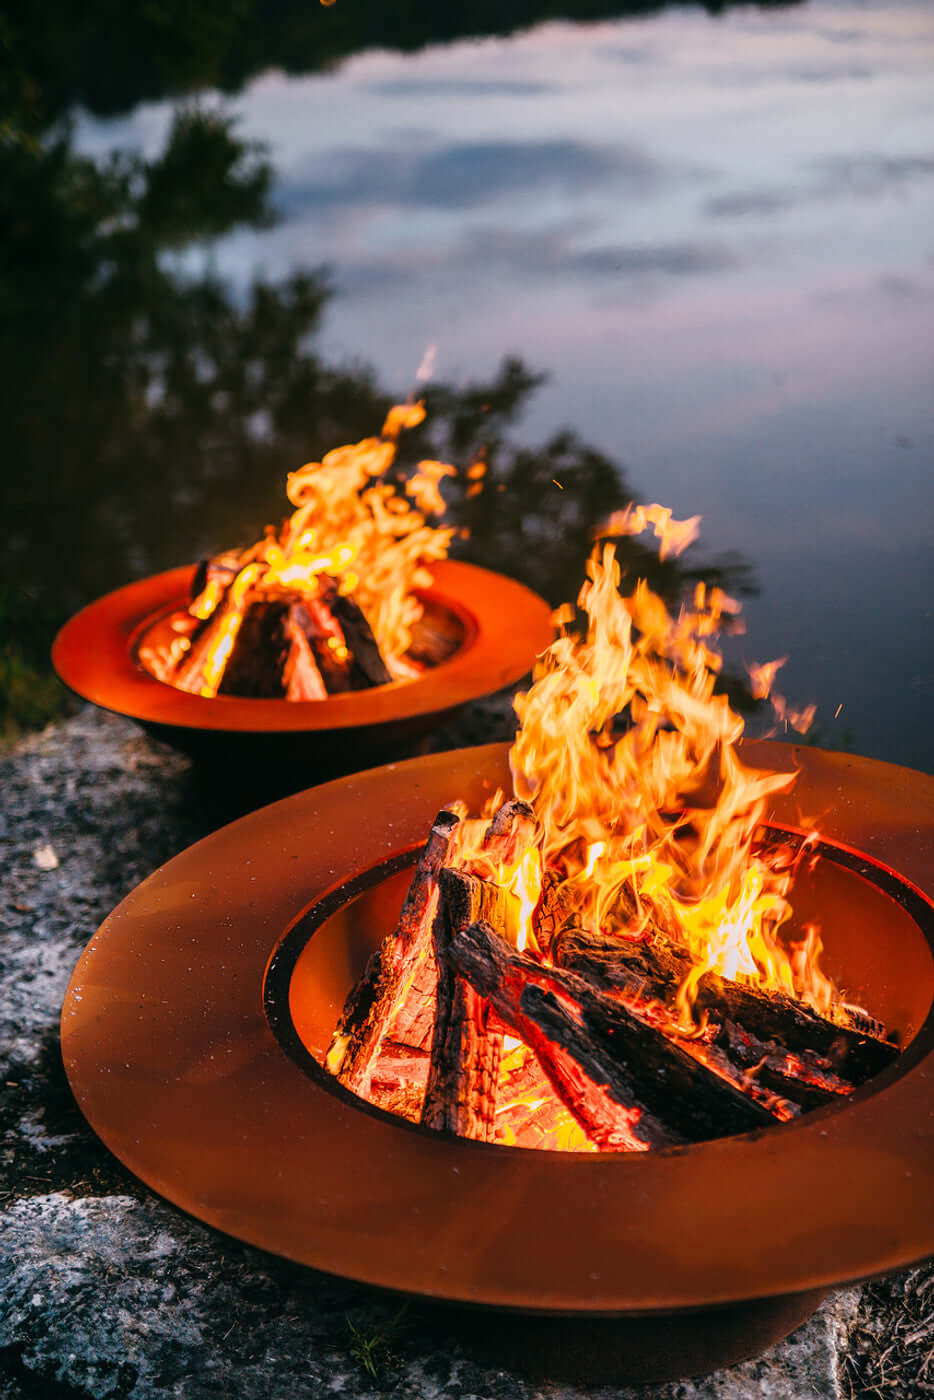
(245, 1155)
(506, 626)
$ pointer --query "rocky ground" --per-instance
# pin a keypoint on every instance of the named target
(106, 1291)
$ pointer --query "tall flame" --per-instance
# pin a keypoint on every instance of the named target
(345, 501)
(646, 815)
(351, 523)
(629, 759)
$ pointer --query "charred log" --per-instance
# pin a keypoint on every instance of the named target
(510, 833)
(392, 969)
(397, 1079)
(367, 667)
(302, 677)
(259, 655)
(466, 1048)
(653, 967)
(601, 1059)
(325, 637)
(805, 1078)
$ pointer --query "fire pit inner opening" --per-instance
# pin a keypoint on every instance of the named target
(877, 931)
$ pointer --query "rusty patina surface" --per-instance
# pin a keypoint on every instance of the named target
(173, 1060)
(504, 624)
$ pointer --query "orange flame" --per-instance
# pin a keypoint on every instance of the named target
(347, 513)
(650, 823)
(674, 536)
(637, 817)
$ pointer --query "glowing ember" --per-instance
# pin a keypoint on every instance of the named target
(600, 962)
(329, 602)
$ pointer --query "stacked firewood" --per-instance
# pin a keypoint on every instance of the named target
(304, 645)
(246, 639)
(429, 1029)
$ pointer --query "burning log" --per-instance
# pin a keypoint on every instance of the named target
(259, 654)
(392, 969)
(210, 644)
(367, 667)
(340, 640)
(325, 637)
(397, 1079)
(509, 834)
(302, 677)
(218, 570)
(602, 1061)
(654, 967)
(466, 1049)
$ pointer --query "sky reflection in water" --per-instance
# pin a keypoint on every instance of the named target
(716, 236)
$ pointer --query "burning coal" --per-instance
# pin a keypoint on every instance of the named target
(603, 961)
(329, 602)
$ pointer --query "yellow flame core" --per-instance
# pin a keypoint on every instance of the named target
(629, 759)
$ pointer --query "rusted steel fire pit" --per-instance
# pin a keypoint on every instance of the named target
(195, 1020)
(495, 627)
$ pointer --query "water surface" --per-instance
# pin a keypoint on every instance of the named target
(713, 234)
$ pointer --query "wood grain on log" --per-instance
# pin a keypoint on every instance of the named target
(328, 644)
(601, 1059)
(466, 1049)
(392, 969)
(654, 967)
(510, 833)
(302, 676)
(367, 667)
(258, 658)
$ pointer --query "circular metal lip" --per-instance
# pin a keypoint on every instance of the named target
(506, 626)
(173, 1061)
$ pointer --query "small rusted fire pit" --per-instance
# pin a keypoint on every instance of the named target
(495, 625)
(196, 1019)
(337, 637)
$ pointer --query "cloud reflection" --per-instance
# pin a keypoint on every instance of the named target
(459, 88)
(833, 178)
(465, 175)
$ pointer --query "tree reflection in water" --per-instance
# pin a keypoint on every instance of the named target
(151, 416)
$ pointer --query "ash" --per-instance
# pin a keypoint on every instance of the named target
(107, 1291)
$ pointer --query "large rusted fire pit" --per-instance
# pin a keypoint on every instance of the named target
(195, 1020)
(496, 627)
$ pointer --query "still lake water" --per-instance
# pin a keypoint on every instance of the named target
(716, 235)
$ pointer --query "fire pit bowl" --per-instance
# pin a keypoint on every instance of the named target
(498, 625)
(189, 1032)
